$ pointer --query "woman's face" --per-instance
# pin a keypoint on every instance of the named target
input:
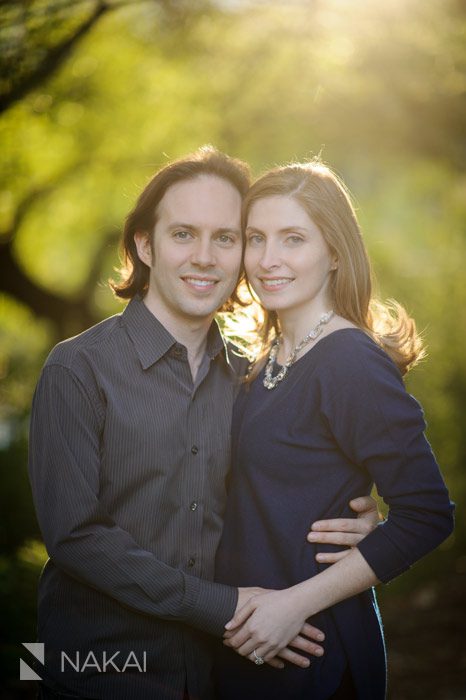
(287, 261)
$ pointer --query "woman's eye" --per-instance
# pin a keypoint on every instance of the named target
(255, 239)
(294, 239)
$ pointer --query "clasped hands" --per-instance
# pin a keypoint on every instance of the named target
(272, 625)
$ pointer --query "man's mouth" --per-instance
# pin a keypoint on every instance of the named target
(200, 284)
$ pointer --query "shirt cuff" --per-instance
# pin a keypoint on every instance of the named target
(384, 557)
(213, 606)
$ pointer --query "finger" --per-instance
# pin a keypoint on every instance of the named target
(272, 661)
(294, 658)
(238, 639)
(312, 632)
(247, 649)
(240, 616)
(363, 503)
(331, 557)
(338, 525)
(306, 645)
(347, 539)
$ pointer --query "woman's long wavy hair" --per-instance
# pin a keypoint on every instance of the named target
(326, 200)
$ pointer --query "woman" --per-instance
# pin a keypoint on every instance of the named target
(324, 416)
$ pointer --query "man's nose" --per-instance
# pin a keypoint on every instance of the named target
(203, 254)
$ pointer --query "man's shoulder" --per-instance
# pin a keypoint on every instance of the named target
(67, 352)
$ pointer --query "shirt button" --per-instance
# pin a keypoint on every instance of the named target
(191, 562)
(193, 505)
(194, 449)
(178, 351)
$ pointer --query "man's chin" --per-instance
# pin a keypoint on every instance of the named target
(204, 307)
(201, 311)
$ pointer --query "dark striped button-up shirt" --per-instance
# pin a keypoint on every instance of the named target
(128, 459)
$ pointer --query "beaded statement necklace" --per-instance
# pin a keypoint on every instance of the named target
(271, 382)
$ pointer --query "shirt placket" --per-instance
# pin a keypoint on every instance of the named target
(192, 483)
(193, 498)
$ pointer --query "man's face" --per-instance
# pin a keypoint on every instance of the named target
(195, 257)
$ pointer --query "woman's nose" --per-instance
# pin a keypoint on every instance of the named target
(270, 258)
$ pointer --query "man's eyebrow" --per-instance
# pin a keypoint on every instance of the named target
(180, 224)
(191, 227)
(229, 229)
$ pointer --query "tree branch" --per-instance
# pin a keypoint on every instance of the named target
(69, 316)
(52, 61)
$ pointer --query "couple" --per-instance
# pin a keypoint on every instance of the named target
(130, 450)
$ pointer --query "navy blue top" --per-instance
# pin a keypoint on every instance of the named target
(340, 421)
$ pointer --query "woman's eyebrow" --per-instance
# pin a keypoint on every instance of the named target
(290, 229)
(286, 229)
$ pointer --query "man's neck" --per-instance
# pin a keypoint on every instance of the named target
(190, 332)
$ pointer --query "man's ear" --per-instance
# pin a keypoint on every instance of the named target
(143, 246)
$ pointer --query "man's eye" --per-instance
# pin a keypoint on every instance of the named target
(182, 235)
(226, 238)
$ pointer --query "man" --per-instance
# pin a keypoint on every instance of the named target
(129, 449)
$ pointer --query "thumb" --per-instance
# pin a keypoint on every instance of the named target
(240, 616)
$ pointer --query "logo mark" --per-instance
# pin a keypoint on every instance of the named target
(26, 673)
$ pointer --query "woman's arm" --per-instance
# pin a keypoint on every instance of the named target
(269, 621)
(347, 532)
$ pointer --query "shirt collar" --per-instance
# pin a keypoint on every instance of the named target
(215, 341)
(152, 340)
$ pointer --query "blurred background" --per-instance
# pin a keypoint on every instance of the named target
(96, 95)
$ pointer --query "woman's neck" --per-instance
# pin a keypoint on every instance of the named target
(294, 326)
(294, 334)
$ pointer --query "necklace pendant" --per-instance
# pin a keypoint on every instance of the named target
(269, 381)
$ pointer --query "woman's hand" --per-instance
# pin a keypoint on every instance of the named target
(269, 623)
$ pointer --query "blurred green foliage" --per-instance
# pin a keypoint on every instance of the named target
(94, 96)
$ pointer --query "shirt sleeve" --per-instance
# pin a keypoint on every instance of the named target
(80, 536)
(380, 427)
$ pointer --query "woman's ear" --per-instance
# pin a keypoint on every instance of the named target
(144, 247)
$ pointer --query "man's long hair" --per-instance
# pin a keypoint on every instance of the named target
(207, 160)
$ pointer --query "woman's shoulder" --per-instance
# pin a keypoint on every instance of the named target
(356, 377)
(350, 353)
(348, 339)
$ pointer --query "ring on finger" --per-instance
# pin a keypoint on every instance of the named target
(258, 660)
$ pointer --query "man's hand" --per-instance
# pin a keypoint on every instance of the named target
(304, 641)
(347, 532)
